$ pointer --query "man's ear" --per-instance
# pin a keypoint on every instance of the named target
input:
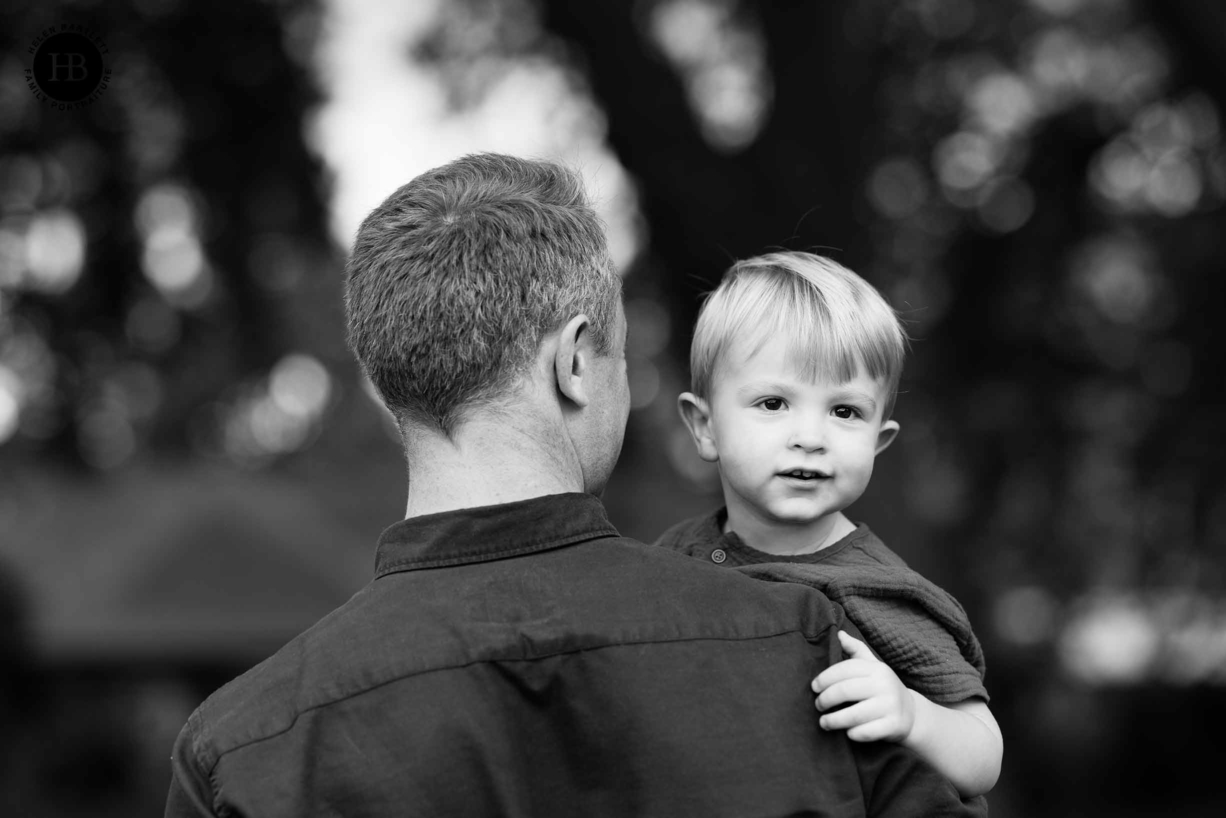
(889, 431)
(572, 359)
(696, 415)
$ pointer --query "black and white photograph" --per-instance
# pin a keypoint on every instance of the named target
(612, 408)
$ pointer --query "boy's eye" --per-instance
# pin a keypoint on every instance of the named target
(846, 412)
(772, 404)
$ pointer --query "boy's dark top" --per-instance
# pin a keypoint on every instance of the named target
(526, 660)
(917, 628)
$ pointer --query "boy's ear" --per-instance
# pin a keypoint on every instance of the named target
(696, 415)
(572, 358)
(888, 432)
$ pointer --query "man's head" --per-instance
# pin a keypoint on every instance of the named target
(795, 365)
(458, 276)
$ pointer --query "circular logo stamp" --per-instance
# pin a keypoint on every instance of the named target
(68, 66)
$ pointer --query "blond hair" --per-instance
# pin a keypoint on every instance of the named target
(838, 324)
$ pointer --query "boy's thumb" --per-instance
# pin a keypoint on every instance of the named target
(855, 648)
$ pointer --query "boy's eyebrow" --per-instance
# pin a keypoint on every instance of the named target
(858, 396)
(762, 386)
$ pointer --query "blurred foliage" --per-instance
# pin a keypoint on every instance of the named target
(163, 266)
(167, 294)
(1037, 185)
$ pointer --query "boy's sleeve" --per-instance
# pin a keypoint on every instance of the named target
(926, 656)
(921, 632)
(191, 792)
(917, 628)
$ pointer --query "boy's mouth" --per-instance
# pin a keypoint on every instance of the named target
(804, 474)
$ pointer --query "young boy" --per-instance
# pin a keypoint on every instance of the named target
(795, 365)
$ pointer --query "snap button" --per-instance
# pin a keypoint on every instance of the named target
(718, 556)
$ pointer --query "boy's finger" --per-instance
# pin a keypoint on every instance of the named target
(855, 648)
(838, 672)
(854, 716)
(869, 731)
(848, 690)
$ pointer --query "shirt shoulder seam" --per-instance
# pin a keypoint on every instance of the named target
(486, 660)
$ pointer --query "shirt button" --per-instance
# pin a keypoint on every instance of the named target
(718, 556)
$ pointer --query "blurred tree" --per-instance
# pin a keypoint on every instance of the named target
(169, 301)
(161, 243)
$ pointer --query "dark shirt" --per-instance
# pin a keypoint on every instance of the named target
(526, 660)
(915, 626)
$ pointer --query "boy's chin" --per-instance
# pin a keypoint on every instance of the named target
(799, 518)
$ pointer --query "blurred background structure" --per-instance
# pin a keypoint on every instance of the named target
(192, 470)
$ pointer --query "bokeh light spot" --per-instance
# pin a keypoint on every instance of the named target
(55, 251)
(173, 262)
(165, 206)
(1003, 103)
(173, 259)
(1059, 61)
(1174, 185)
(300, 385)
(723, 62)
(1114, 273)
(965, 160)
(1111, 641)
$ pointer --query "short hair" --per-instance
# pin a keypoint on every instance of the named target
(836, 321)
(459, 274)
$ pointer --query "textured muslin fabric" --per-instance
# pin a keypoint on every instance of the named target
(915, 626)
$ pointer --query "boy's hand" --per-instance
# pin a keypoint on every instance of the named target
(883, 708)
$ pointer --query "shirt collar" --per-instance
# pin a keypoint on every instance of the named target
(710, 533)
(491, 532)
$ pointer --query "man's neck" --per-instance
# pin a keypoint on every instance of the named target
(486, 463)
(787, 540)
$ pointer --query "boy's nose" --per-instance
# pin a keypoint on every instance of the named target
(809, 437)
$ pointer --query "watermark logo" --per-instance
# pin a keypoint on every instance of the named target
(68, 66)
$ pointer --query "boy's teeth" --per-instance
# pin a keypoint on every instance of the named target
(805, 475)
